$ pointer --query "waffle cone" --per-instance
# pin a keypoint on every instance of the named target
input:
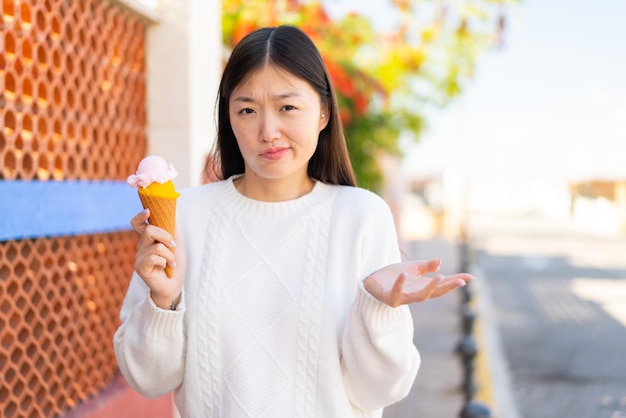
(162, 214)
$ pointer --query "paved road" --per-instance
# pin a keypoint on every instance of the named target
(559, 302)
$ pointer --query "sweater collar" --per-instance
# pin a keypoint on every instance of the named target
(257, 208)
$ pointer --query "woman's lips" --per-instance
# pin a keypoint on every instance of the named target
(274, 153)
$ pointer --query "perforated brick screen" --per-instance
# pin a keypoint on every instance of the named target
(59, 303)
(71, 107)
(72, 83)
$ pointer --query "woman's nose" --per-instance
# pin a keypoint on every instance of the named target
(270, 129)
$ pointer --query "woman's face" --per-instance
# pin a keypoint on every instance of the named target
(276, 118)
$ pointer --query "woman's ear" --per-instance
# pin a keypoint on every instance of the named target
(324, 117)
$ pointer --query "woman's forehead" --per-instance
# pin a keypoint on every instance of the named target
(275, 80)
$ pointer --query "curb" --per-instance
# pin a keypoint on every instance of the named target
(492, 369)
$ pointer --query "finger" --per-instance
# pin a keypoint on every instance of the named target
(443, 290)
(434, 265)
(167, 253)
(139, 221)
(157, 249)
(146, 238)
(146, 264)
(466, 276)
(396, 290)
(432, 287)
(430, 266)
(423, 292)
(448, 286)
(152, 234)
(150, 258)
(463, 277)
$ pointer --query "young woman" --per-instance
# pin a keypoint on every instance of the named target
(288, 297)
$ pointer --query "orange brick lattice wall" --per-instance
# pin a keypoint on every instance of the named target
(72, 107)
(58, 313)
(72, 77)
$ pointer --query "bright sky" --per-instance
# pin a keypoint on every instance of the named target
(552, 103)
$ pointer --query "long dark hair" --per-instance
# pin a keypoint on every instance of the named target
(290, 49)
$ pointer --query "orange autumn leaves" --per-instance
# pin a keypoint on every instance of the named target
(355, 89)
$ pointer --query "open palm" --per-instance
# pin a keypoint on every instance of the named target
(403, 283)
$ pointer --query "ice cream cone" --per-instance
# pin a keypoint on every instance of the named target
(157, 193)
(162, 214)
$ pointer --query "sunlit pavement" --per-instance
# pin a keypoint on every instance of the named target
(559, 303)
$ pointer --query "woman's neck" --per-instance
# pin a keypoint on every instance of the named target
(273, 190)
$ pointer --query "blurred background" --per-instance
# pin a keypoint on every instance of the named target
(541, 127)
(495, 130)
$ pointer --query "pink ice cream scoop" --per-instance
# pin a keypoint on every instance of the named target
(152, 169)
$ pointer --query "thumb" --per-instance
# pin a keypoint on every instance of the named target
(429, 266)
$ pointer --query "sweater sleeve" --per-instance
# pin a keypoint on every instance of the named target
(150, 343)
(379, 360)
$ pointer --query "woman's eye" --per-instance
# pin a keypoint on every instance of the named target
(289, 107)
(246, 111)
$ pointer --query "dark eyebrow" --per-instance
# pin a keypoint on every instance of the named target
(281, 96)
(288, 95)
(243, 99)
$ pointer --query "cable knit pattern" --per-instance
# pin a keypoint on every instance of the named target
(276, 321)
(309, 327)
(259, 298)
(207, 331)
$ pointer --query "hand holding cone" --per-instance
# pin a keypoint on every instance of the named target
(157, 193)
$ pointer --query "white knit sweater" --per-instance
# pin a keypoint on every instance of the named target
(274, 321)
